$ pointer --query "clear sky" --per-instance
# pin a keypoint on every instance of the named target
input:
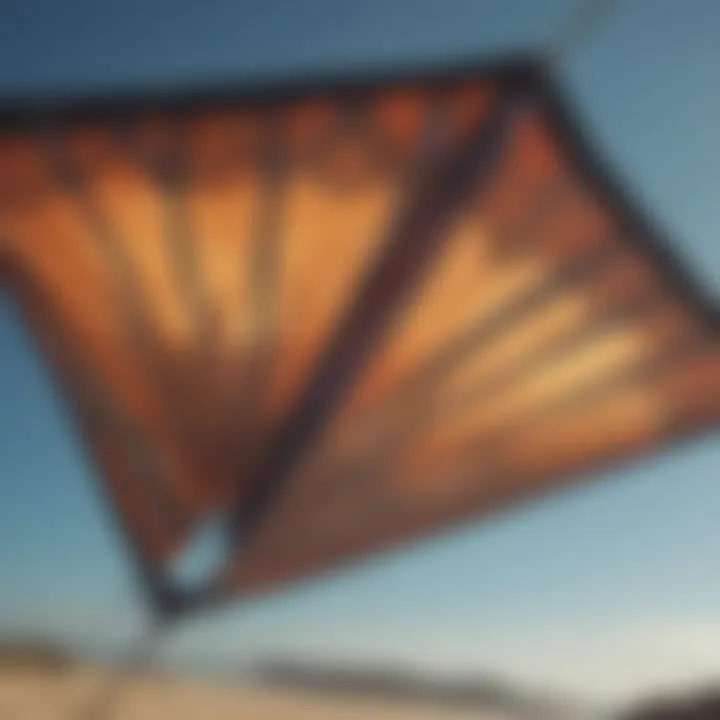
(603, 591)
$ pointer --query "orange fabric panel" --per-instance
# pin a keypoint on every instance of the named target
(603, 358)
(198, 262)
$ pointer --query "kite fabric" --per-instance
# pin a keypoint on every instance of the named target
(337, 316)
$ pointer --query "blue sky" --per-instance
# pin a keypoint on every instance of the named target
(604, 591)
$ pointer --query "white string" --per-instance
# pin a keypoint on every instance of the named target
(139, 654)
(580, 26)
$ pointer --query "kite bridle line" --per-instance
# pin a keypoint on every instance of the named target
(576, 30)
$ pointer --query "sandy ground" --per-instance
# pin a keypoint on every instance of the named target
(37, 695)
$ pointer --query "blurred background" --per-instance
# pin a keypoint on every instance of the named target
(589, 601)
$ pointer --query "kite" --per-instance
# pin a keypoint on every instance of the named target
(332, 317)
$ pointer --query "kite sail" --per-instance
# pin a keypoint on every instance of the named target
(336, 316)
